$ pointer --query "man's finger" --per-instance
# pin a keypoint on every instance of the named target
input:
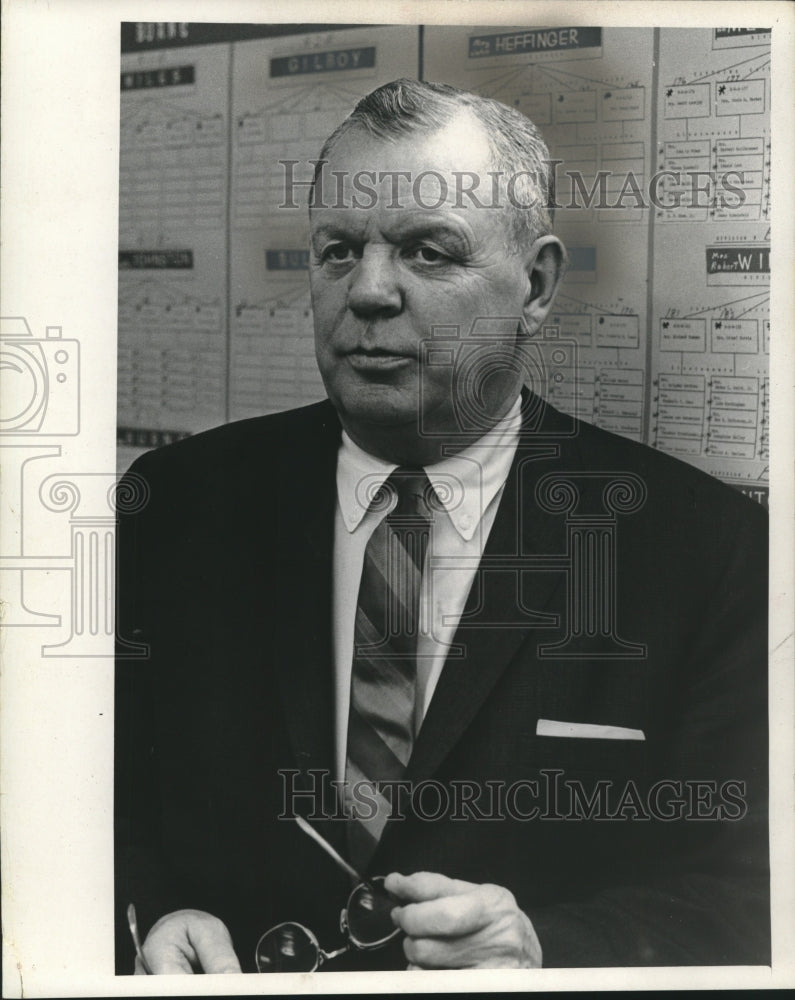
(213, 947)
(450, 916)
(437, 953)
(458, 953)
(164, 961)
(187, 941)
(505, 943)
(422, 886)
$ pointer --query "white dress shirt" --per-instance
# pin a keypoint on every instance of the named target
(469, 486)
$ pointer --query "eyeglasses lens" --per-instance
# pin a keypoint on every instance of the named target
(287, 948)
(368, 913)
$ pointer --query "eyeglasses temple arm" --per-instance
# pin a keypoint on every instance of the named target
(132, 922)
(311, 832)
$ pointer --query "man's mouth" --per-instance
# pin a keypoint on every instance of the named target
(377, 358)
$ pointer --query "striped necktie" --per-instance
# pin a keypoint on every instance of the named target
(384, 671)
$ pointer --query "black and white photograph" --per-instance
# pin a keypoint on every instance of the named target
(398, 579)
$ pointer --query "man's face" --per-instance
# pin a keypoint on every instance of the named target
(383, 276)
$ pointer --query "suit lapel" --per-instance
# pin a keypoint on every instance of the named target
(304, 662)
(494, 626)
(492, 629)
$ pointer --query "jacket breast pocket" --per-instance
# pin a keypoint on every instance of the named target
(590, 717)
(589, 755)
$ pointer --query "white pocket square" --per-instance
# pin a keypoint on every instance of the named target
(586, 730)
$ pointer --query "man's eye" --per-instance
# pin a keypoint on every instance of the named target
(429, 255)
(338, 253)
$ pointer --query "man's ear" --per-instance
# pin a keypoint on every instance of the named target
(546, 265)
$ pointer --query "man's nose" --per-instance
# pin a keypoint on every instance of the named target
(375, 287)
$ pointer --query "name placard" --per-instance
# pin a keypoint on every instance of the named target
(533, 41)
(336, 61)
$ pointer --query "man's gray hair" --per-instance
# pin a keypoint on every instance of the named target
(406, 106)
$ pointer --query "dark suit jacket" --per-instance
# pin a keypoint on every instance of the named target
(226, 576)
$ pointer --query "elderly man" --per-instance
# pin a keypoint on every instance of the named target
(511, 662)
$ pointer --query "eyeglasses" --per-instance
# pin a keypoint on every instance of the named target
(291, 947)
(366, 920)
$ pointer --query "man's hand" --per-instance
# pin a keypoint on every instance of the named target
(188, 941)
(450, 924)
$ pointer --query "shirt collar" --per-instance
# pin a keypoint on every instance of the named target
(465, 483)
